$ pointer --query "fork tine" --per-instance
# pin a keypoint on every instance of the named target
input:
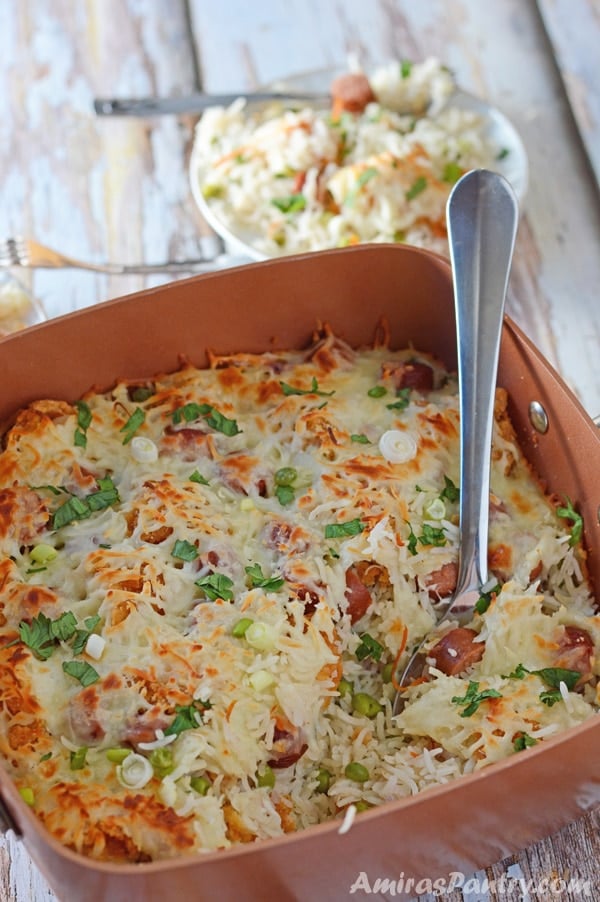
(11, 252)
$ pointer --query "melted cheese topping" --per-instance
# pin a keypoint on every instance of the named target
(206, 579)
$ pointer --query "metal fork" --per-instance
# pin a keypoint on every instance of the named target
(31, 255)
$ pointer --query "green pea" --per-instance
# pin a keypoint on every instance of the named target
(323, 780)
(361, 805)
(345, 687)
(356, 772)
(200, 784)
(386, 673)
(266, 777)
(286, 476)
(365, 704)
(117, 756)
(27, 795)
(240, 628)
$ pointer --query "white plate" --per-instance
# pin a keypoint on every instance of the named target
(497, 129)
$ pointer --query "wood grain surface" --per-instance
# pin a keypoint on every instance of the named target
(118, 189)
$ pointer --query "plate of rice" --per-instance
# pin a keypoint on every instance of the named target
(373, 161)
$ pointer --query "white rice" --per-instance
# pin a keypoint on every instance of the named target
(382, 175)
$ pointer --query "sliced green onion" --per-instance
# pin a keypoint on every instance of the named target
(286, 476)
(240, 628)
(78, 758)
(261, 636)
(162, 761)
(261, 680)
(435, 510)
(135, 771)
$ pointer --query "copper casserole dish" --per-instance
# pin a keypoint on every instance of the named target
(463, 826)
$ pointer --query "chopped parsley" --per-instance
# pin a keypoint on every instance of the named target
(199, 478)
(216, 586)
(365, 176)
(403, 395)
(378, 391)
(215, 419)
(82, 508)
(313, 390)
(184, 550)
(485, 599)
(405, 68)
(450, 492)
(292, 203)
(473, 698)
(81, 636)
(550, 697)
(519, 673)
(259, 581)
(432, 535)
(523, 741)
(42, 635)
(369, 648)
(568, 512)
(552, 676)
(84, 418)
(81, 671)
(187, 717)
(412, 540)
(503, 153)
(360, 438)
(340, 530)
(141, 393)
(132, 425)
(452, 173)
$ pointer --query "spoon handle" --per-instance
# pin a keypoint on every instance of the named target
(482, 217)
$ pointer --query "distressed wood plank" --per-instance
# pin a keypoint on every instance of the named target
(499, 51)
(576, 43)
(94, 188)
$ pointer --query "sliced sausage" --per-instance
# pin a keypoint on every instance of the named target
(84, 716)
(412, 374)
(576, 652)
(456, 651)
(288, 745)
(442, 582)
(351, 93)
(359, 597)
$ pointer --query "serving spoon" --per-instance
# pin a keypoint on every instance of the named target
(482, 216)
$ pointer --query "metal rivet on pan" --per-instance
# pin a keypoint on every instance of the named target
(538, 417)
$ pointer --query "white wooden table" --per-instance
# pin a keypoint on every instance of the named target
(118, 189)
